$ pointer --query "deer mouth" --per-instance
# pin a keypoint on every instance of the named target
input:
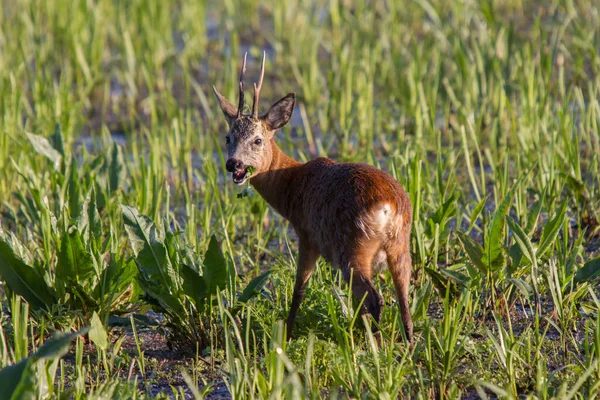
(239, 176)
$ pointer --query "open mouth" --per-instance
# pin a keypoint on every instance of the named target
(240, 176)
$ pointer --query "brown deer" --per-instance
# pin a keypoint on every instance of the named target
(354, 215)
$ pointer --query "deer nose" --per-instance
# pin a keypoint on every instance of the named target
(233, 164)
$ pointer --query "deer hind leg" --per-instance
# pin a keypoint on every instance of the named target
(360, 269)
(307, 259)
(400, 266)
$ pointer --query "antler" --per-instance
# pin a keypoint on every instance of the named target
(241, 102)
(257, 88)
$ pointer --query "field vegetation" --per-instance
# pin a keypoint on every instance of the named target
(132, 267)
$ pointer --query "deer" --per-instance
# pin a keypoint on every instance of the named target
(357, 217)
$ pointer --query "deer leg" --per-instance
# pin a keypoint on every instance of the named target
(401, 268)
(307, 259)
(362, 271)
(373, 303)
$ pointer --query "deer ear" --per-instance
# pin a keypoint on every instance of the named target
(228, 109)
(281, 112)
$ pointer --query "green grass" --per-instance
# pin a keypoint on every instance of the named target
(487, 113)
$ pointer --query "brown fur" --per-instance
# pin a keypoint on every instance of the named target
(324, 201)
(352, 214)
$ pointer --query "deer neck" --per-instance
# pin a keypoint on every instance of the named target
(276, 184)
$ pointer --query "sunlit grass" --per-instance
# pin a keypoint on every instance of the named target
(487, 113)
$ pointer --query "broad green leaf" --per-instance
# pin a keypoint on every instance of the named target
(474, 251)
(58, 345)
(442, 215)
(522, 286)
(156, 276)
(20, 251)
(194, 285)
(102, 195)
(215, 267)
(445, 210)
(97, 333)
(254, 287)
(75, 263)
(551, 230)
(141, 231)
(522, 240)
(115, 167)
(162, 297)
(81, 297)
(151, 253)
(589, 271)
(463, 281)
(534, 213)
(74, 190)
(418, 307)
(171, 246)
(116, 279)
(476, 213)
(494, 240)
(442, 283)
(516, 255)
(43, 147)
(54, 348)
(56, 140)
(23, 279)
(89, 223)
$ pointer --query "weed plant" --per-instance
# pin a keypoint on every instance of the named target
(114, 198)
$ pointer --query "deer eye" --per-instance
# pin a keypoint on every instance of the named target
(227, 140)
(258, 141)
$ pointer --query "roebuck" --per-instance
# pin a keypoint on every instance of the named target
(354, 215)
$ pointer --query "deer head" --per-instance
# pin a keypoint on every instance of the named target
(249, 145)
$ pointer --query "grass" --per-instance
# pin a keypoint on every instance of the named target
(487, 113)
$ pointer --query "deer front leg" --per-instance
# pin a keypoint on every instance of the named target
(307, 259)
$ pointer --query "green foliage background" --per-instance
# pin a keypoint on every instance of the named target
(114, 197)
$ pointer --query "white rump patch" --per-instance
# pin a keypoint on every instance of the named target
(376, 221)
